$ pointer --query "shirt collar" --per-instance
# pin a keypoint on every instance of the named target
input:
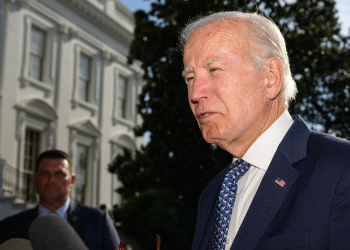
(261, 152)
(61, 211)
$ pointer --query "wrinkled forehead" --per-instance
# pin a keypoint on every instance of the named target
(227, 32)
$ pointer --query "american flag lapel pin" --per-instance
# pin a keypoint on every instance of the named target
(280, 182)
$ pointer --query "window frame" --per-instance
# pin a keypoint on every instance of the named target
(118, 143)
(87, 81)
(87, 134)
(95, 71)
(49, 54)
(36, 115)
(130, 104)
(29, 192)
(87, 173)
(36, 55)
(122, 98)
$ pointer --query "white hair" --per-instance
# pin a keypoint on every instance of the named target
(266, 39)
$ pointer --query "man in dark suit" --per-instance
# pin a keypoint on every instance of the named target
(288, 187)
(53, 180)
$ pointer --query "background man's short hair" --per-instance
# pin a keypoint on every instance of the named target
(53, 154)
(266, 41)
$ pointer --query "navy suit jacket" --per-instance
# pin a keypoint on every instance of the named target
(312, 210)
(94, 226)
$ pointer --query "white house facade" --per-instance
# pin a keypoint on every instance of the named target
(65, 84)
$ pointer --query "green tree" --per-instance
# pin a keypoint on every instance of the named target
(158, 211)
(177, 157)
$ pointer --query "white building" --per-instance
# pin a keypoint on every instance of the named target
(65, 84)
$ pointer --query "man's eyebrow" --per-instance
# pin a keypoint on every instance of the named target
(211, 61)
(185, 72)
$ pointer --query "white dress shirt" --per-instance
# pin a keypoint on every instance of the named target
(62, 211)
(259, 155)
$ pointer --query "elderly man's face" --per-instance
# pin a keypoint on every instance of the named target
(225, 91)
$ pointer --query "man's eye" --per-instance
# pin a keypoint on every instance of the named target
(189, 80)
(213, 70)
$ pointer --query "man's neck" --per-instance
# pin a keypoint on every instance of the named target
(52, 206)
(60, 210)
(239, 148)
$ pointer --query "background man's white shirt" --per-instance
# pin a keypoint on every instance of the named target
(62, 211)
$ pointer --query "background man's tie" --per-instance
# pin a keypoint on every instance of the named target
(225, 204)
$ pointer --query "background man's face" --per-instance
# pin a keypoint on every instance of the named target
(225, 91)
(53, 180)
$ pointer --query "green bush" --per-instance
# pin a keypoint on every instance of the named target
(158, 211)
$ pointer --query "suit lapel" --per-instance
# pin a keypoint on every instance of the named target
(33, 213)
(266, 203)
(206, 218)
(73, 215)
(270, 196)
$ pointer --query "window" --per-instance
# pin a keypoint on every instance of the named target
(122, 97)
(84, 78)
(81, 172)
(84, 145)
(36, 54)
(125, 91)
(40, 55)
(31, 152)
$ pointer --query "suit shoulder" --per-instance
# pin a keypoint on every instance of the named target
(16, 226)
(328, 143)
(89, 210)
(329, 152)
(22, 216)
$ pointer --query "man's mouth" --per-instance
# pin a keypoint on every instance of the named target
(50, 188)
(204, 115)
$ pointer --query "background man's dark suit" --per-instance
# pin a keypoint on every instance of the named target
(312, 210)
(94, 226)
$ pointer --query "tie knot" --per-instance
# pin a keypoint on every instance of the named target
(239, 162)
(239, 167)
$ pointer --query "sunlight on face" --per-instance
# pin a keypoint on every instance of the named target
(225, 91)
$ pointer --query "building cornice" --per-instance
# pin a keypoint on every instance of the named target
(120, 25)
(122, 28)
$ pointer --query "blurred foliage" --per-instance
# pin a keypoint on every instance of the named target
(157, 211)
(177, 157)
(116, 212)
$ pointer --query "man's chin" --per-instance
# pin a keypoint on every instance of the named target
(211, 139)
(217, 141)
(51, 194)
(52, 198)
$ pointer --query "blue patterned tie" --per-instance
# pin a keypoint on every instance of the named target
(225, 203)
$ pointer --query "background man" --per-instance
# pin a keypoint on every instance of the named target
(288, 187)
(53, 180)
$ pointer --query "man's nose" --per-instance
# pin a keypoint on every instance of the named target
(51, 178)
(199, 90)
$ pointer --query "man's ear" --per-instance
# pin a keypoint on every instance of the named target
(274, 72)
(73, 180)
